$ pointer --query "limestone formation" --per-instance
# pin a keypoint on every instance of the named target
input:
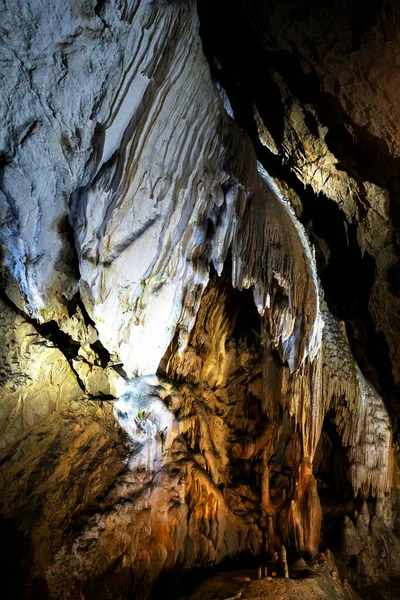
(36, 378)
(189, 373)
(283, 559)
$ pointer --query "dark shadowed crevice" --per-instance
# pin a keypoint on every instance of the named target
(68, 261)
(394, 279)
(50, 331)
(103, 354)
(240, 309)
(182, 582)
(347, 276)
(16, 554)
(330, 467)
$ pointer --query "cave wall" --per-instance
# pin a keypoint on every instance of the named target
(315, 87)
(178, 371)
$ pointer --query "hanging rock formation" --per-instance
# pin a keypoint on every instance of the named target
(177, 388)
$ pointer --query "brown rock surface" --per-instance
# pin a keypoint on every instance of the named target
(320, 587)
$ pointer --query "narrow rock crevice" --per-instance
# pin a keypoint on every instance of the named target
(50, 331)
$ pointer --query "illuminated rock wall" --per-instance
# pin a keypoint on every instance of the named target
(174, 384)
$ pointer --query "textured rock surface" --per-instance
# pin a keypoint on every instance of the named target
(176, 391)
(36, 379)
(322, 582)
(311, 109)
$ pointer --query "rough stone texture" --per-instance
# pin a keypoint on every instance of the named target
(176, 390)
(36, 379)
(320, 582)
(144, 228)
(327, 105)
(113, 508)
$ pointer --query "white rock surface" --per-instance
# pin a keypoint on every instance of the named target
(121, 133)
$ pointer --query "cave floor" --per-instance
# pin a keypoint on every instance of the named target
(244, 585)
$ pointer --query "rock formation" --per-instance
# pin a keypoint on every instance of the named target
(184, 378)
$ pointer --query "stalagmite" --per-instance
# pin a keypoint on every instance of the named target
(300, 521)
(362, 527)
(350, 542)
(270, 527)
(284, 564)
(365, 513)
(265, 495)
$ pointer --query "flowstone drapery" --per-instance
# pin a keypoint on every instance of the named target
(175, 390)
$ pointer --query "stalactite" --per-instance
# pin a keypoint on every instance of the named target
(334, 382)
(370, 443)
(300, 520)
(270, 250)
